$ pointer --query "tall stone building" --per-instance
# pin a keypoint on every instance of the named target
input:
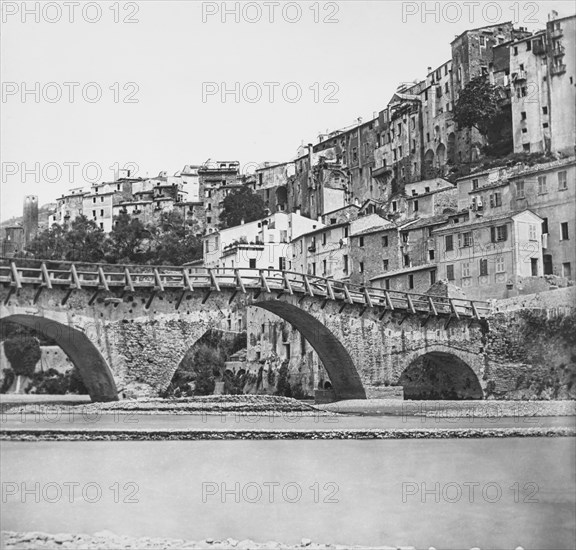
(30, 217)
(543, 73)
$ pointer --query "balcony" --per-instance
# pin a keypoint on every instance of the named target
(520, 75)
(558, 50)
(234, 248)
(556, 33)
(558, 69)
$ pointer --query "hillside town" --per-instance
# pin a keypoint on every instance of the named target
(403, 202)
(358, 337)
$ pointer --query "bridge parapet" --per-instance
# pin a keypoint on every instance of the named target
(73, 276)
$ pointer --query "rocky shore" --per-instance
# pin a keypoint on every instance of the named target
(106, 540)
(231, 434)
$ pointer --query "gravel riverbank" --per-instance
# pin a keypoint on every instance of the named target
(109, 541)
(232, 434)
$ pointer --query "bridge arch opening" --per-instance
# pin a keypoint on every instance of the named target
(439, 375)
(93, 369)
(341, 370)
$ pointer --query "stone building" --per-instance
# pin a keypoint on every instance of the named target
(547, 189)
(216, 180)
(543, 72)
(490, 255)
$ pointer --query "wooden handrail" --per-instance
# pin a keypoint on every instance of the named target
(80, 275)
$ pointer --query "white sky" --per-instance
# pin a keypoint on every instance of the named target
(170, 52)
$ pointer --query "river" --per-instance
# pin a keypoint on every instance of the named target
(455, 493)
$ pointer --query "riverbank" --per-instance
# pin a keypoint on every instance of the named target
(109, 541)
(275, 405)
(263, 434)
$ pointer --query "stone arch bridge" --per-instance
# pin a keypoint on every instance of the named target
(122, 325)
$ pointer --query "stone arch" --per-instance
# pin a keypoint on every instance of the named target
(429, 163)
(281, 197)
(441, 156)
(337, 362)
(440, 374)
(93, 369)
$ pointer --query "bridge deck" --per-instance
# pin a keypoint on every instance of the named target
(48, 274)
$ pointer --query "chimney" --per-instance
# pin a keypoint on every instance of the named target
(298, 212)
(242, 221)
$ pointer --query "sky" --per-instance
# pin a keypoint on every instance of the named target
(155, 85)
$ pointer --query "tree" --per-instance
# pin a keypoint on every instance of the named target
(80, 241)
(174, 240)
(478, 105)
(23, 353)
(128, 242)
(242, 204)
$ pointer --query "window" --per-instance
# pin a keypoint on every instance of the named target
(252, 263)
(345, 260)
(566, 270)
(94, 213)
(475, 184)
(515, 50)
(450, 272)
(432, 277)
(208, 220)
(495, 200)
(532, 232)
(544, 110)
(101, 225)
(500, 264)
(449, 243)
(431, 254)
(465, 269)
(405, 237)
(415, 206)
(385, 241)
(562, 181)
(394, 206)
(482, 41)
(361, 267)
(323, 238)
(406, 260)
(333, 221)
(324, 271)
(387, 284)
(499, 233)
(101, 213)
(542, 185)
(209, 206)
(466, 239)
(520, 190)
(361, 242)
(483, 267)
(346, 232)
(410, 282)
(385, 264)
(564, 231)
(523, 115)
(101, 199)
(544, 226)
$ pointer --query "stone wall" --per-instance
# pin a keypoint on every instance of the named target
(531, 347)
